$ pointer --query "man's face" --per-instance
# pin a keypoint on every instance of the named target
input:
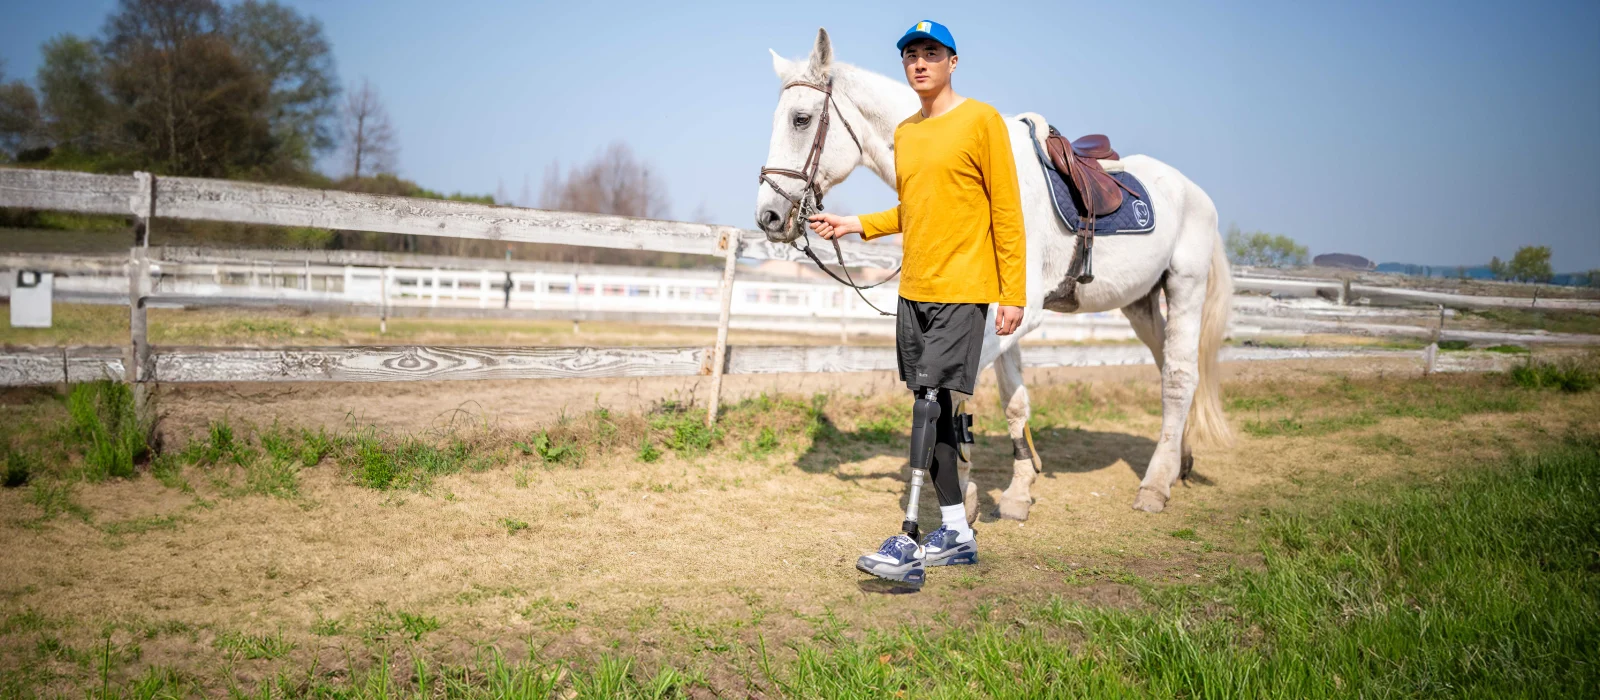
(928, 64)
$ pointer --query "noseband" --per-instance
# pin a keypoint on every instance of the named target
(809, 201)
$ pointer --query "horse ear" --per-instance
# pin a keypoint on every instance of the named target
(821, 56)
(780, 65)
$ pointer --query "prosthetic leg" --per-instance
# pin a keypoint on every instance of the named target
(924, 433)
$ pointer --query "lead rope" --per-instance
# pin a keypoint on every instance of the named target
(806, 208)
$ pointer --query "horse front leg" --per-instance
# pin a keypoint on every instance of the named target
(1025, 464)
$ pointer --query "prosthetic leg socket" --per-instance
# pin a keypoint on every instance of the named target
(924, 433)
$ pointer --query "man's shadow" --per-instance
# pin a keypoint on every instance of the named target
(1062, 451)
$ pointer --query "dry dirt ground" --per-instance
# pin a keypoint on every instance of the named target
(697, 559)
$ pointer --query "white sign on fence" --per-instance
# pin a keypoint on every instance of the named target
(30, 298)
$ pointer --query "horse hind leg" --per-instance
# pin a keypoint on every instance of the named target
(1148, 325)
(1180, 377)
(1017, 499)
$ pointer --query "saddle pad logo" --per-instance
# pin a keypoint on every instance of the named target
(1141, 212)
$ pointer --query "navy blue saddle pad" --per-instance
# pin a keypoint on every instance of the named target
(1134, 216)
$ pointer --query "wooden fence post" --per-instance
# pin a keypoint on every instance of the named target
(729, 243)
(136, 367)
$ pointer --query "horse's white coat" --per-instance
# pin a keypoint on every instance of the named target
(1179, 257)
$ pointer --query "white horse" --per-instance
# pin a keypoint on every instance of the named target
(1182, 257)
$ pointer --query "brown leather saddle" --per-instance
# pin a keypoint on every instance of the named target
(1094, 191)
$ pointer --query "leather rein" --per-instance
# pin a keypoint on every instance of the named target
(809, 201)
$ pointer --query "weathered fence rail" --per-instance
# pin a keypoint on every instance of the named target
(147, 198)
(424, 363)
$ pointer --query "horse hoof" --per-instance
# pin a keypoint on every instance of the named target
(1014, 508)
(970, 500)
(1149, 501)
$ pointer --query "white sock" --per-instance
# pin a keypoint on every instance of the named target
(955, 518)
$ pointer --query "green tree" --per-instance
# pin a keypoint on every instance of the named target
(19, 117)
(1259, 249)
(78, 113)
(294, 59)
(1531, 264)
(1497, 268)
(192, 107)
(1594, 277)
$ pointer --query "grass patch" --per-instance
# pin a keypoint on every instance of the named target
(1388, 444)
(1553, 320)
(411, 464)
(20, 466)
(686, 432)
(103, 426)
(1507, 349)
(1454, 345)
(139, 526)
(513, 526)
(1344, 405)
(254, 646)
(1571, 375)
(560, 450)
(54, 497)
(648, 452)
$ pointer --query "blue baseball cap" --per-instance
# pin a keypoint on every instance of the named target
(928, 29)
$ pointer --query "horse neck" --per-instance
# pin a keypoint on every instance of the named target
(883, 104)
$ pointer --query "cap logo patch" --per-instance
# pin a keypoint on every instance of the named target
(922, 26)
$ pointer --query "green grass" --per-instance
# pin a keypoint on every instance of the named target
(1344, 405)
(103, 426)
(1568, 374)
(1487, 587)
(648, 452)
(412, 463)
(1553, 320)
(255, 646)
(54, 497)
(20, 466)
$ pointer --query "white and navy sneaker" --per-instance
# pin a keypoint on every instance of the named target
(899, 559)
(940, 548)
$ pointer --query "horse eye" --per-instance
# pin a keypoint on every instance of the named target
(801, 120)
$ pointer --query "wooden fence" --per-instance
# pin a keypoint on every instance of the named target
(146, 198)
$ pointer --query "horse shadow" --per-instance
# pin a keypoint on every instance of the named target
(1062, 451)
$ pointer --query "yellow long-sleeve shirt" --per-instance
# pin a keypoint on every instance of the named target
(960, 209)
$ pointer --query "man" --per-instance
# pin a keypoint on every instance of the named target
(961, 215)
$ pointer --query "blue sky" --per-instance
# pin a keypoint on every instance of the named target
(1429, 132)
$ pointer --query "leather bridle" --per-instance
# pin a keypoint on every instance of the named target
(809, 199)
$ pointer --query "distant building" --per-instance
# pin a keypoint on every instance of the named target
(1343, 261)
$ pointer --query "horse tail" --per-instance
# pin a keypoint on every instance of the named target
(1207, 423)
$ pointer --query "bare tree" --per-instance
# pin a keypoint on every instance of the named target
(614, 182)
(369, 140)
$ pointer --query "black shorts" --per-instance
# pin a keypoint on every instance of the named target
(939, 345)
